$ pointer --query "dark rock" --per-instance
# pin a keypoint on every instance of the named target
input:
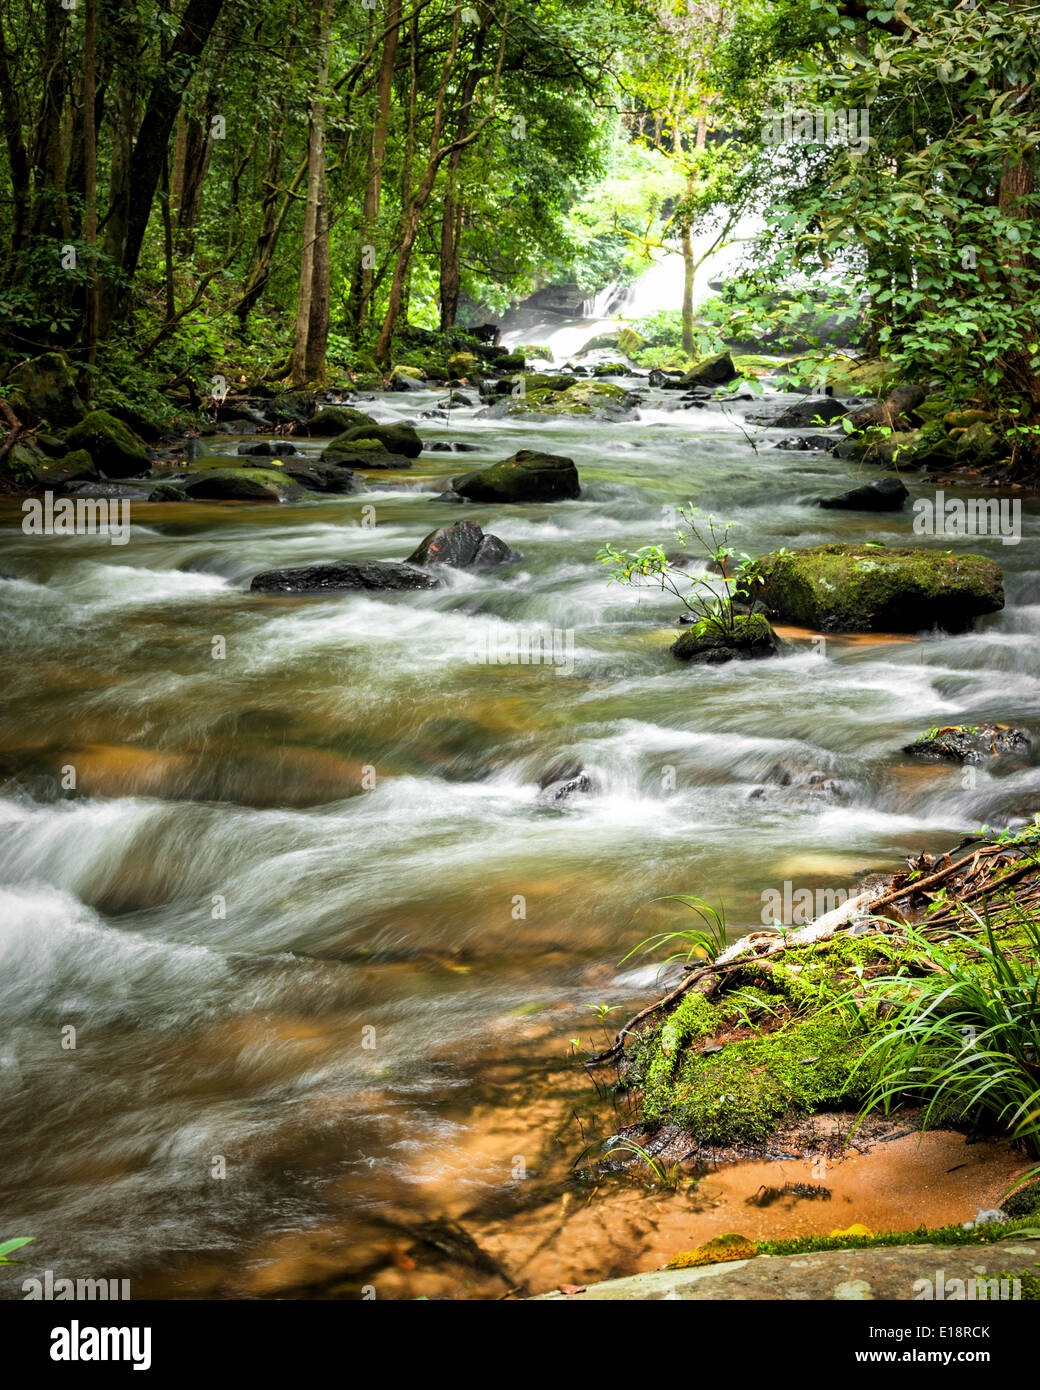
(44, 387)
(334, 420)
(453, 446)
(341, 577)
(711, 371)
(886, 495)
(115, 449)
(528, 476)
(660, 378)
(807, 441)
(267, 449)
(322, 477)
(396, 439)
(363, 454)
(710, 642)
(556, 792)
(965, 744)
(812, 411)
(239, 485)
(463, 546)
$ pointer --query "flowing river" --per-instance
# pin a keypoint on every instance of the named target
(322, 940)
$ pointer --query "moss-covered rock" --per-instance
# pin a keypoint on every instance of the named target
(528, 476)
(603, 400)
(711, 371)
(44, 388)
(363, 454)
(239, 485)
(334, 420)
(395, 439)
(464, 364)
(962, 743)
(848, 588)
(116, 450)
(511, 362)
(712, 641)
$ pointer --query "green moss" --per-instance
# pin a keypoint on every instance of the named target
(710, 641)
(937, 1235)
(845, 588)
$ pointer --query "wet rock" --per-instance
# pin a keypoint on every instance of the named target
(565, 790)
(322, 477)
(660, 379)
(464, 364)
(116, 450)
(710, 642)
(789, 782)
(342, 576)
(44, 387)
(970, 744)
(454, 446)
(528, 476)
(710, 371)
(334, 420)
(395, 439)
(56, 473)
(267, 449)
(807, 441)
(885, 495)
(462, 546)
(364, 454)
(814, 410)
(804, 442)
(239, 485)
(601, 400)
(848, 588)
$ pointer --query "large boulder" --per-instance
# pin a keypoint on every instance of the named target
(321, 477)
(44, 387)
(886, 495)
(463, 546)
(334, 420)
(239, 485)
(464, 364)
(712, 641)
(363, 454)
(115, 449)
(849, 588)
(396, 439)
(603, 400)
(814, 410)
(341, 577)
(528, 476)
(969, 743)
(710, 371)
(28, 462)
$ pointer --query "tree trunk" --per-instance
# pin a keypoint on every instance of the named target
(17, 154)
(689, 340)
(364, 280)
(93, 292)
(164, 102)
(310, 257)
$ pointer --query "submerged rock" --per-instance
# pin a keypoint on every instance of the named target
(342, 576)
(528, 476)
(969, 744)
(848, 588)
(267, 448)
(711, 641)
(886, 495)
(462, 546)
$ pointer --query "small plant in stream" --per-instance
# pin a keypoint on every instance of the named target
(717, 596)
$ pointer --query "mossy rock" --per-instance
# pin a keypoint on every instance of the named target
(511, 362)
(711, 642)
(528, 476)
(848, 588)
(464, 364)
(406, 373)
(887, 449)
(602, 400)
(536, 350)
(630, 342)
(116, 450)
(28, 463)
(718, 1250)
(44, 387)
(395, 439)
(711, 371)
(543, 381)
(240, 485)
(334, 420)
(363, 453)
